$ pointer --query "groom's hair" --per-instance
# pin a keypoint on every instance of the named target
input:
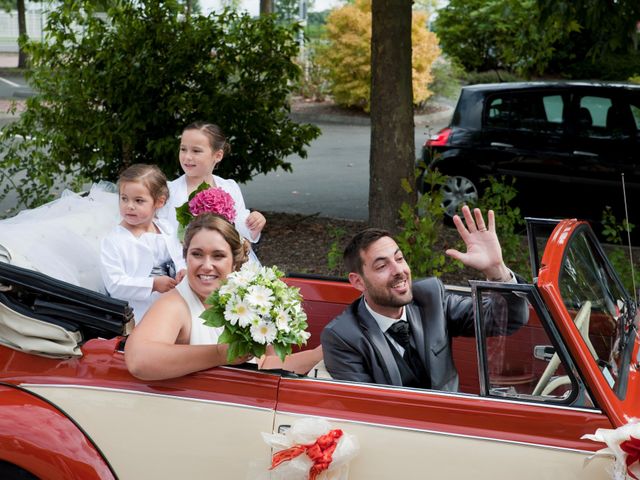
(359, 243)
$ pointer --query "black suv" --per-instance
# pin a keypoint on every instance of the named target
(567, 144)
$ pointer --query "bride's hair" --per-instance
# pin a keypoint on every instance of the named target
(209, 221)
(150, 176)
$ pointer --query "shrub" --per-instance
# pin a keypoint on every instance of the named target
(348, 58)
(613, 232)
(422, 229)
(497, 196)
(119, 89)
(447, 74)
(491, 76)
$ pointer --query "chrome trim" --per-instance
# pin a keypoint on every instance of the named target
(442, 393)
(27, 386)
(435, 432)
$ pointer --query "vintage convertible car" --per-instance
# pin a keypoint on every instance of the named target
(69, 409)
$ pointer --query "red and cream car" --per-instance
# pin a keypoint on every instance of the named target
(69, 409)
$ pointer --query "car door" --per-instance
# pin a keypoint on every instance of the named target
(497, 427)
(604, 138)
(201, 426)
(525, 132)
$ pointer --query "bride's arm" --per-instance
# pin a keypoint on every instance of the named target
(151, 351)
(299, 362)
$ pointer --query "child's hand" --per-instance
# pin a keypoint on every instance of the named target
(256, 222)
(163, 284)
(180, 275)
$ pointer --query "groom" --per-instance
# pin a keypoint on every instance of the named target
(398, 333)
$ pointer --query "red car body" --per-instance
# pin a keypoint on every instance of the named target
(87, 417)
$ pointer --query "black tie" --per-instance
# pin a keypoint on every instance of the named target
(399, 331)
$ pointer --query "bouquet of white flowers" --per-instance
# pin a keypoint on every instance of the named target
(256, 309)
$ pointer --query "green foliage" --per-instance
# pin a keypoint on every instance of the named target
(613, 67)
(119, 88)
(491, 76)
(421, 229)
(498, 196)
(494, 34)
(591, 30)
(334, 255)
(614, 231)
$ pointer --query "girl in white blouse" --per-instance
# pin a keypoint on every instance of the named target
(202, 148)
(141, 257)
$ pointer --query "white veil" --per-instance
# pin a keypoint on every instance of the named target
(62, 238)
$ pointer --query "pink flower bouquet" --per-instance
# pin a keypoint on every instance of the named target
(205, 199)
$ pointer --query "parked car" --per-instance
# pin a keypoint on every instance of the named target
(566, 144)
(69, 409)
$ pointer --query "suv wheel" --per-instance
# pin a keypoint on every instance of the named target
(456, 192)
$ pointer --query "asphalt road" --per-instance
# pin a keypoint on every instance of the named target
(333, 181)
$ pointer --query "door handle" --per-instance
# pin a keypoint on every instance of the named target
(584, 154)
(501, 145)
(283, 428)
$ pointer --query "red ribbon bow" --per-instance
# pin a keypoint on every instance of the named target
(632, 448)
(320, 452)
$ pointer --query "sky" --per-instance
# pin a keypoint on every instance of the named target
(253, 6)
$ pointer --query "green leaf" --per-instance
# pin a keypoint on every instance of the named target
(281, 350)
(227, 336)
(213, 317)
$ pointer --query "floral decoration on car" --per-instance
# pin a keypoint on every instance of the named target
(257, 309)
(205, 199)
(311, 449)
(623, 444)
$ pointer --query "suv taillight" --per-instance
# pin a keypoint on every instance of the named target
(439, 139)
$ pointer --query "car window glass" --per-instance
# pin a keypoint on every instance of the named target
(635, 113)
(554, 108)
(498, 113)
(526, 111)
(527, 364)
(597, 108)
(597, 304)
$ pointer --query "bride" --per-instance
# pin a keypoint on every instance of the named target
(171, 340)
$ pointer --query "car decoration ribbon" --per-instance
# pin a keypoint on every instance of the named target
(313, 450)
(320, 452)
(623, 444)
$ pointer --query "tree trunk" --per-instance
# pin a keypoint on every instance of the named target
(392, 155)
(266, 7)
(22, 32)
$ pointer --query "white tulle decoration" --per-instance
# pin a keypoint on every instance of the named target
(628, 436)
(306, 431)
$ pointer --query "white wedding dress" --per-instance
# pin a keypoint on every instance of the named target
(62, 238)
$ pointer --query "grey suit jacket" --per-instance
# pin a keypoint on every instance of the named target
(355, 349)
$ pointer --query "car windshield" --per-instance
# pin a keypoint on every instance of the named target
(601, 309)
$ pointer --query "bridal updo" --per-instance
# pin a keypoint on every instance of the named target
(209, 221)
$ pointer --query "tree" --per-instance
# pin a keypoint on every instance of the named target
(122, 91)
(491, 34)
(266, 7)
(392, 156)
(19, 6)
(603, 27)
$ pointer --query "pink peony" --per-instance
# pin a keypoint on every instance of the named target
(213, 200)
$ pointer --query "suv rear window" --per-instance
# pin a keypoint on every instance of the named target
(538, 112)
